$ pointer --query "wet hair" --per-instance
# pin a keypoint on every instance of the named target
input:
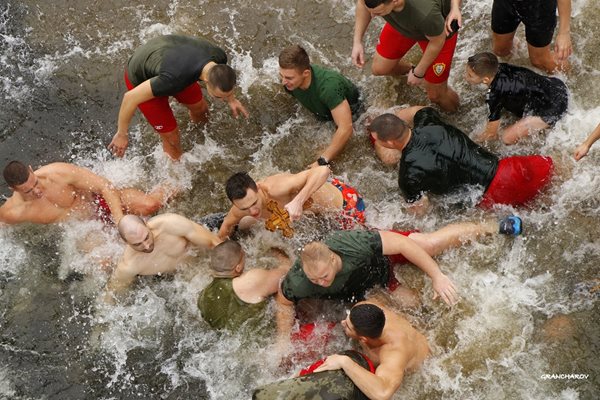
(313, 253)
(16, 173)
(238, 184)
(294, 57)
(368, 320)
(375, 3)
(225, 257)
(389, 127)
(127, 224)
(222, 77)
(484, 64)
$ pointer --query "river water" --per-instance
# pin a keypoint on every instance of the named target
(61, 65)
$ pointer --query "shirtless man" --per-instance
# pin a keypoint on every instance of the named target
(59, 191)
(236, 296)
(155, 247)
(291, 192)
(389, 340)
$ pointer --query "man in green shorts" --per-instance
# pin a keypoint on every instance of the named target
(349, 263)
(235, 297)
(326, 93)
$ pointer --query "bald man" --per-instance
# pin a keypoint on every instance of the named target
(157, 246)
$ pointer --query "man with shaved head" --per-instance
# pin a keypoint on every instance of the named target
(154, 247)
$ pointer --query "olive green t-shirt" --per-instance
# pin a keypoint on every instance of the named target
(222, 308)
(172, 62)
(363, 267)
(420, 18)
(327, 90)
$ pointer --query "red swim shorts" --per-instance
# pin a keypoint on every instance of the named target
(102, 209)
(393, 45)
(158, 111)
(518, 180)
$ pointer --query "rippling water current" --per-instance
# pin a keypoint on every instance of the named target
(61, 65)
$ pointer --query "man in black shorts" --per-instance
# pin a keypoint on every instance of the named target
(539, 18)
(172, 65)
(539, 101)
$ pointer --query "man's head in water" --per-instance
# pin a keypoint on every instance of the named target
(294, 68)
(243, 193)
(390, 131)
(136, 233)
(320, 264)
(220, 81)
(22, 180)
(379, 8)
(365, 321)
(481, 69)
(227, 260)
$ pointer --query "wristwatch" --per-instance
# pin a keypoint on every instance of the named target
(323, 161)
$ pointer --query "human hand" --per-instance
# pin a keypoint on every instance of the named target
(445, 289)
(358, 55)
(331, 363)
(562, 47)
(454, 14)
(485, 136)
(237, 107)
(294, 208)
(118, 144)
(581, 151)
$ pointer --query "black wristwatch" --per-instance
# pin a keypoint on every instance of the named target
(323, 161)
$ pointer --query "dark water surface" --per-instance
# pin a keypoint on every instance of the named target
(61, 65)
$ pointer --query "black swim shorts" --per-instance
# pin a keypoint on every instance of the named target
(538, 16)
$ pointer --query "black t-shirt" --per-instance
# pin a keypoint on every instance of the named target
(522, 91)
(172, 62)
(439, 158)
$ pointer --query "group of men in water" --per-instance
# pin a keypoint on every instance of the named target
(434, 157)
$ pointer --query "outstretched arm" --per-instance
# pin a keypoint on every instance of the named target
(582, 150)
(229, 223)
(84, 179)
(394, 243)
(380, 385)
(342, 116)
(131, 100)
(362, 21)
(303, 184)
(196, 234)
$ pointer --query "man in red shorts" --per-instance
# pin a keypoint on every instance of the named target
(172, 65)
(426, 22)
(437, 157)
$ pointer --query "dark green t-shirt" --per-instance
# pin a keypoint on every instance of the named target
(363, 267)
(222, 308)
(420, 18)
(327, 90)
(172, 62)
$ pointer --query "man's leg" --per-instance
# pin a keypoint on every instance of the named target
(522, 128)
(502, 44)
(198, 111)
(171, 143)
(453, 235)
(386, 66)
(443, 95)
(543, 58)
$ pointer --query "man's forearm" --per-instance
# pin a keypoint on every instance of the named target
(341, 136)
(432, 50)
(564, 14)
(361, 22)
(370, 384)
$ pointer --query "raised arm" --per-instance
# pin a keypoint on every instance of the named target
(302, 184)
(582, 150)
(362, 21)
(131, 100)
(394, 243)
(84, 179)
